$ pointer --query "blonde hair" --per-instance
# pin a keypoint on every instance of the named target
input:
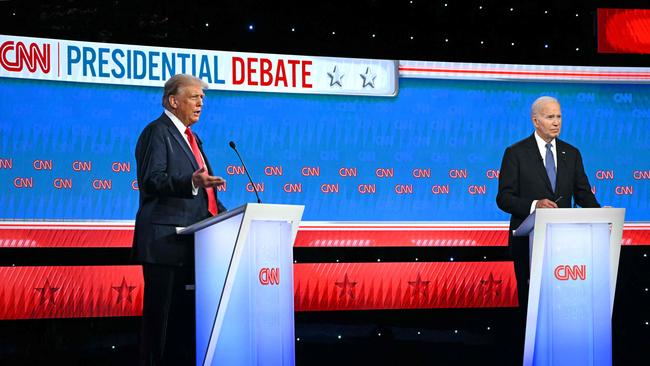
(176, 82)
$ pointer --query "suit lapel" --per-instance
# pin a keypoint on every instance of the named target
(538, 163)
(181, 141)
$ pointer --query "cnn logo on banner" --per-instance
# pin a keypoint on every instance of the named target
(15, 56)
(269, 276)
(565, 272)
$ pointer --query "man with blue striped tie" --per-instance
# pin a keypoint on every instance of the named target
(540, 171)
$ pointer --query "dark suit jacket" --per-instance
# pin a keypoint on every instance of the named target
(165, 166)
(523, 179)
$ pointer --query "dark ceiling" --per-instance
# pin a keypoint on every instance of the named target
(552, 32)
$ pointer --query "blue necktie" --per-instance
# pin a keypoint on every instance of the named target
(550, 165)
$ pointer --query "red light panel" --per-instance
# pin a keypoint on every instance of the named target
(624, 31)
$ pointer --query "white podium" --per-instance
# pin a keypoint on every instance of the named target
(574, 263)
(244, 285)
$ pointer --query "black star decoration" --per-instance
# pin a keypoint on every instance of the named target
(347, 287)
(47, 292)
(419, 286)
(492, 285)
(124, 291)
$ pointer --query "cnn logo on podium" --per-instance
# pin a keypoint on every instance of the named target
(565, 272)
(269, 276)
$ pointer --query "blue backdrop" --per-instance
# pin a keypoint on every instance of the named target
(457, 129)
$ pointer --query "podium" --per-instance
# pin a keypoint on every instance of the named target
(574, 263)
(244, 285)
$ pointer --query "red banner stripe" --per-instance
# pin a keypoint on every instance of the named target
(401, 238)
(97, 235)
(397, 236)
(66, 238)
(565, 74)
(415, 285)
(102, 291)
(636, 237)
(70, 291)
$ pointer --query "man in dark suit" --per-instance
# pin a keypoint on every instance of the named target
(177, 188)
(540, 171)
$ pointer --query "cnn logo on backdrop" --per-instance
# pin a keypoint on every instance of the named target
(16, 56)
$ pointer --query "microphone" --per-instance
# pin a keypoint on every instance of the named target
(234, 147)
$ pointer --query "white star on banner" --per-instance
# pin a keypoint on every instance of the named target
(368, 78)
(336, 75)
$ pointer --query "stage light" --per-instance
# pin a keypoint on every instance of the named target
(251, 27)
(339, 336)
(446, 39)
(293, 29)
(545, 11)
(378, 259)
(455, 331)
(298, 339)
(373, 35)
(577, 48)
(484, 257)
(416, 259)
(488, 328)
(545, 46)
(337, 261)
(379, 334)
(576, 14)
(512, 9)
(419, 332)
(411, 37)
(207, 24)
(333, 33)
(512, 43)
(481, 42)
(480, 7)
(445, 5)
(451, 259)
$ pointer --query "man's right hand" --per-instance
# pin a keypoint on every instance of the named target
(545, 203)
(201, 178)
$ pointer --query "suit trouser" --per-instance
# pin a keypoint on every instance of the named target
(168, 328)
(521, 258)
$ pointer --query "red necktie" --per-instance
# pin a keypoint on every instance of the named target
(212, 201)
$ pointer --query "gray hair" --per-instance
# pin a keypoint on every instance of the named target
(176, 82)
(539, 102)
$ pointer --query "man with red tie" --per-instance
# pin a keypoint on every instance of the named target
(176, 188)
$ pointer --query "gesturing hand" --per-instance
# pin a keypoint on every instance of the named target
(201, 178)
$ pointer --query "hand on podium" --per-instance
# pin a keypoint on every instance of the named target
(545, 203)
